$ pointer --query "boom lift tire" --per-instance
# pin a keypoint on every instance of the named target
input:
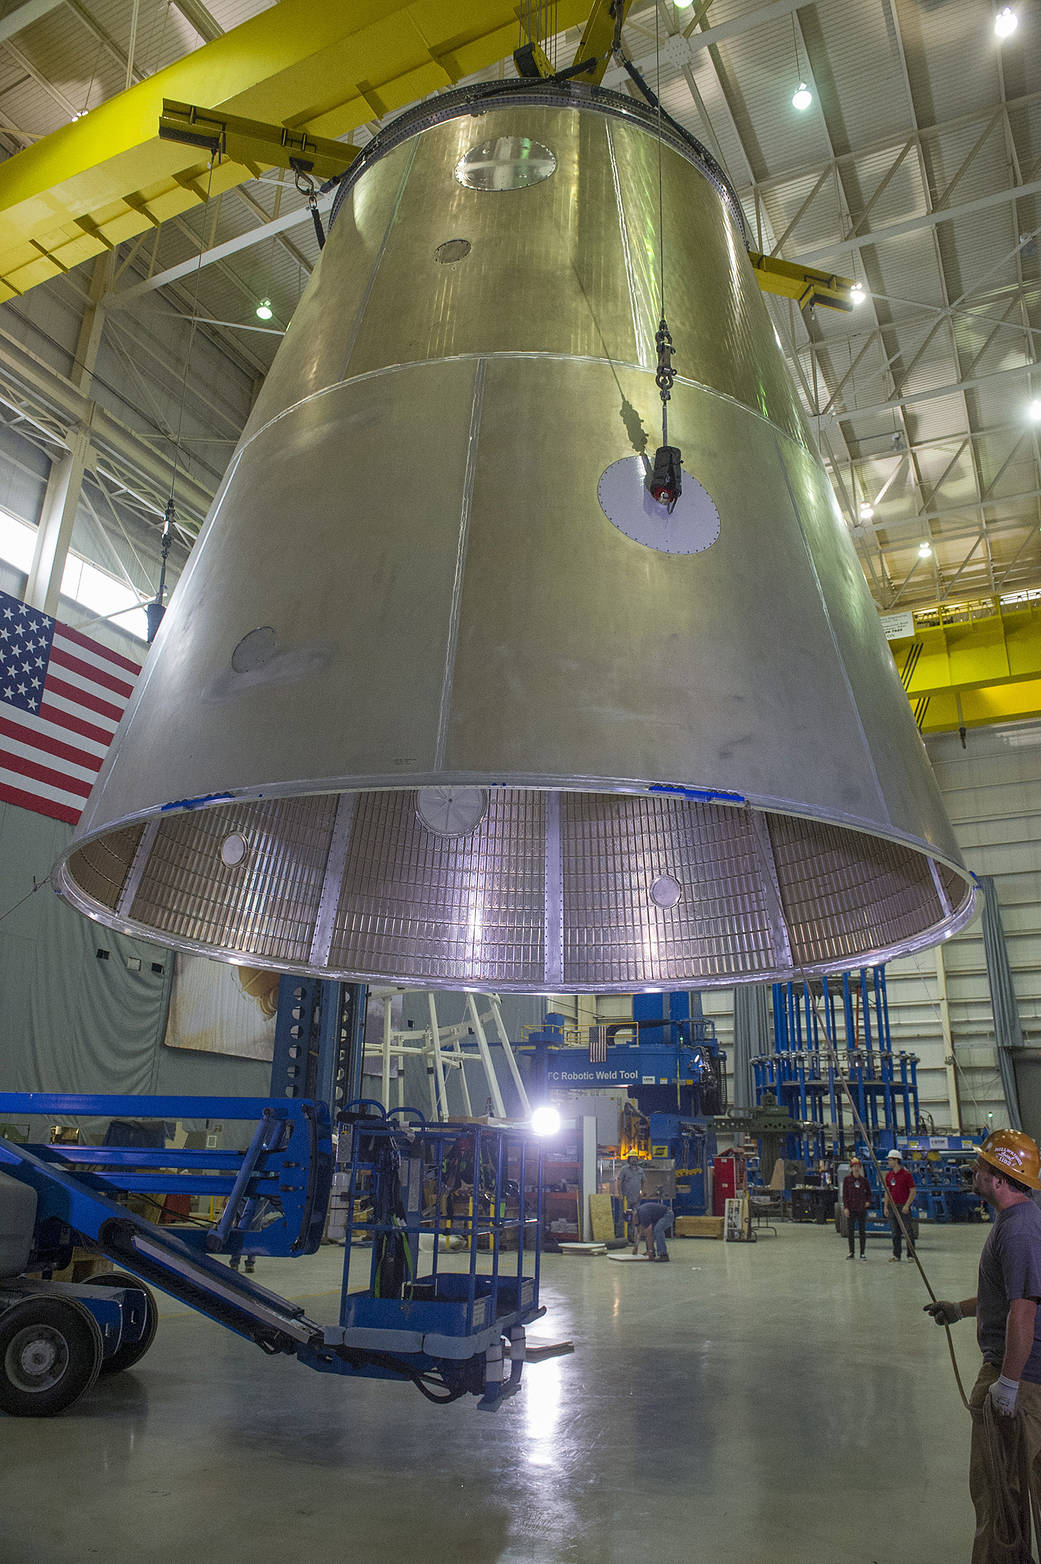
(50, 1355)
(130, 1352)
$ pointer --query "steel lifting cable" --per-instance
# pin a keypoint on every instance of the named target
(666, 478)
(1014, 1537)
(156, 608)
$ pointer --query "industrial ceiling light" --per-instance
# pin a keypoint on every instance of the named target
(866, 511)
(502, 720)
(802, 97)
(264, 310)
(1006, 22)
(924, 550)
(856, 293)
(1034, 410)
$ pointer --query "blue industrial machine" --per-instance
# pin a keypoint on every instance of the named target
(668, 1062)
(451, 1327)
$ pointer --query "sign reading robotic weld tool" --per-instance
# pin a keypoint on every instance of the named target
(579, 1072)
(624, 1067)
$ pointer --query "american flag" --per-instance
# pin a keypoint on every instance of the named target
(61, 698)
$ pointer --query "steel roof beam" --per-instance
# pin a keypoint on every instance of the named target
(888, 143)
(217, 252)
(1020, 370)
(910, 225)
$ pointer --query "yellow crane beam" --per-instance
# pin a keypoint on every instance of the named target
(966, 675)
(303, 63)
(805, 284)
(602, 28)
(252, 142)
(302, 67)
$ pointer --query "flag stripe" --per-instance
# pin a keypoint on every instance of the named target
(95, 649)
(89, 671)
(19, 742)
(38, 803)
(54, 710)
(57, 779)
(56, 795)
(84, 698)
(27, 725)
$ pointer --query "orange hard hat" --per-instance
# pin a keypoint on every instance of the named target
(1012, 1152)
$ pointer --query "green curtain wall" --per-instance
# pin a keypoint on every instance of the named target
(71, 1021)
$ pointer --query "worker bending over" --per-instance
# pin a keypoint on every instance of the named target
(1007, 1392)
(650, 1223)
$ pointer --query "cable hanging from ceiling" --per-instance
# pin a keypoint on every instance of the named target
(155, 610)
(666, 478)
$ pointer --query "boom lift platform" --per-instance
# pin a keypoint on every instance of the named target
(456, 1329)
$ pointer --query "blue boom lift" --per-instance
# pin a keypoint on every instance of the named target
(453, 1328)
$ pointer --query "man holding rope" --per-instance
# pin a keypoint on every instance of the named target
(1005, 1403)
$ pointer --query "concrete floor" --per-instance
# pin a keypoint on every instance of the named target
(765, 1404)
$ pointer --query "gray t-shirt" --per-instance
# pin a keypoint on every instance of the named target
(630, 1183)
(1010, 1267)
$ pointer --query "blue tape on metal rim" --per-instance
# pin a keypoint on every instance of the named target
(197, 803)
(703, 794)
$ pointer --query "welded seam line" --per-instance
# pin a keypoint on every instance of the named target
(772, 888)
(623, 231)
(944, 899)
(336, 859)
(132, 883)
(378, 262)
(469, 479)
(554, 894)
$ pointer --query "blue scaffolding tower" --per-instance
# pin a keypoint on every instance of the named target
(822, 1031)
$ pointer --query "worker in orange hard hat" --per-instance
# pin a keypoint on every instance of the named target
(1007, 1392)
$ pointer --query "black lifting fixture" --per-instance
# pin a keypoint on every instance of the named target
(666, 477)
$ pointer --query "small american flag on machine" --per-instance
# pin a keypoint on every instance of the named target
(61, 698)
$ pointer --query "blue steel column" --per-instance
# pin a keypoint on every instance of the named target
(318, 1040)
(354, 1042)
(829, 1029)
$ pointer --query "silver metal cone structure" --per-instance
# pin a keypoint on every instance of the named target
(444, 697)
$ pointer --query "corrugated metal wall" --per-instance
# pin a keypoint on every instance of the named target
(992, 789)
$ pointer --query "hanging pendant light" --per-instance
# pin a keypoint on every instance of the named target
(445, 696)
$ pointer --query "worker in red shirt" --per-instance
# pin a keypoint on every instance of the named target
(900, 1192)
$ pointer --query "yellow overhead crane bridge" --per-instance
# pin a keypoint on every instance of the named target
(282, 86)
(280, 90)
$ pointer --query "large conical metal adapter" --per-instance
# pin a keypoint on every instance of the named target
(445, 696)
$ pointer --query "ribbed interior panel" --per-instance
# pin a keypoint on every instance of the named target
(845, 892)
(463, 909)
(266, 905)
(410, 905)
(614, 847)
(101, 867)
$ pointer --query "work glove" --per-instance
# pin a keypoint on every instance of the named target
(1003, 1395)
(944, 1312)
